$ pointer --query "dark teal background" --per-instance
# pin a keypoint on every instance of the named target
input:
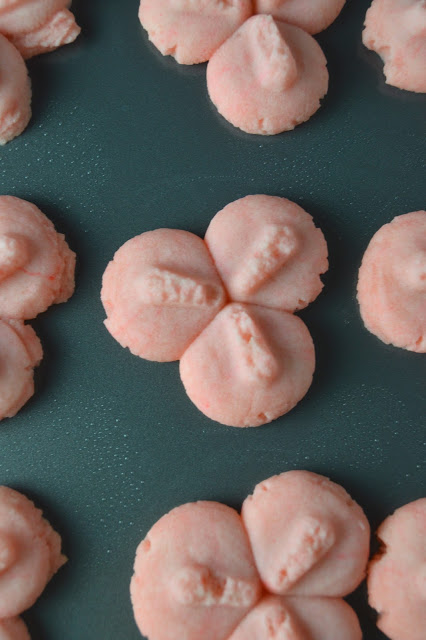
(122, 141)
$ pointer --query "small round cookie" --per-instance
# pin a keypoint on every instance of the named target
(392, 283)
(159, 292)
(194, 575)
(298, 619)
(13, 629)
(21, 351)
(309, 538)
(311, 15)
(268, 77)
(37, 26)
(36, 264)
(396, 30)
(397, 574)
(249, 366)
(269, 252)
(192, 30)
(15, 92)
(30, 553)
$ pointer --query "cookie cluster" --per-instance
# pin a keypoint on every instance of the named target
(224, 306)
(266, 74)
(278, 570)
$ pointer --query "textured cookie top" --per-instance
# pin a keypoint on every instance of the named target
(396, 30)
(311, 15)
(30, 553)
(397, 575)
(36, 264)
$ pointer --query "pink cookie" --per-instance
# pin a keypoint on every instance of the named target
(13, 629)
(30, 553)
(36, 264)
(269, 252)
(249, 366)
(37, 26)
(308, 537)
(396, 30)
(268, 77)
(160, 292)
(21, 352)
(194, 575)
(192, 30)
(392, 283)
(299, 619)
(311, 15)
(397, 575)
(15, 92)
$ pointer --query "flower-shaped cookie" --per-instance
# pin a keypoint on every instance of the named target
(277, 571)
(266, 74)
(224, 306)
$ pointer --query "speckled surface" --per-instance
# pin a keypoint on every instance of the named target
(123, 141)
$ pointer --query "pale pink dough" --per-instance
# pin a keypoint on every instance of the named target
(192, 30)
(392, 283)
(278, 618)
(396, 30)
(312, 16)
(194, 575)
(36, 264)
(159, 292)
(13, 629)
(308, 536)
(30, 553)
(249, 366)
(269, 252)
(15, 92)
(37, 26)
(397, 575)
(21, 351)
(268, 77)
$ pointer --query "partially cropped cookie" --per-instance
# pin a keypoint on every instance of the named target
(37, 26)
(13, 629)
(311, 15)
(192, 31)
(309, 538)
(296, 618)
(36, 264)
(268, 251)
(21, 351)
(159, 292)
(396, 30)
(15, 92)
(397, 575)
(249, 366)
(30, 553)
(268, 77)
(392, 283)
(203, 571)
(194, 575)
